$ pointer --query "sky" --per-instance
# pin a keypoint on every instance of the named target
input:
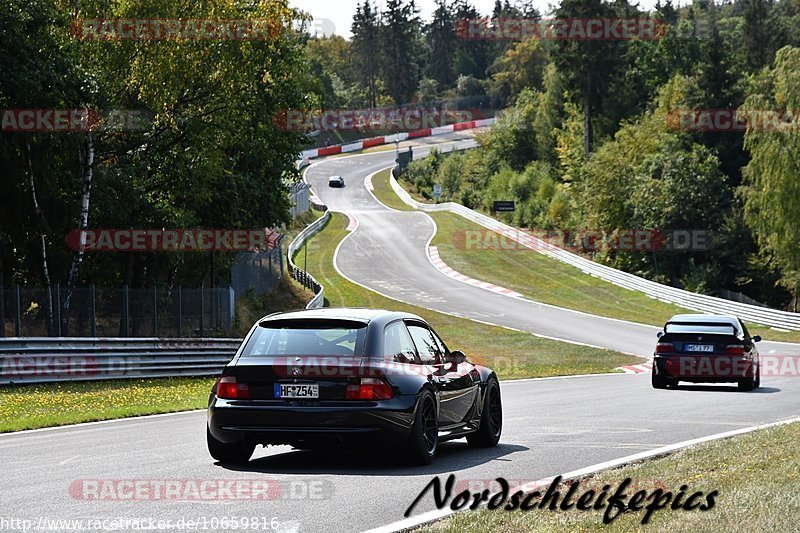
(337, 15)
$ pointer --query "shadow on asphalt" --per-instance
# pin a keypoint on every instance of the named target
(451, 457)
(717, 388)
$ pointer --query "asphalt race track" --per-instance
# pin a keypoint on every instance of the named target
(551, 426)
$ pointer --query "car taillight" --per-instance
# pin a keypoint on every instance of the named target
(665, 347)
(734, 349)
(368, 389)
(228, 389)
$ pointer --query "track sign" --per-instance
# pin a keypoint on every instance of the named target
(504, 206)
(437, 191)
(404, 158)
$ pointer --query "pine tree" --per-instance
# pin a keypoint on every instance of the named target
(588, 65)
(366, 45)
(400, 39)
(757, 33)
(441, 40)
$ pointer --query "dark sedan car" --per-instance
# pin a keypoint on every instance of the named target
(706, 349)
(336, 181)
(315, 378)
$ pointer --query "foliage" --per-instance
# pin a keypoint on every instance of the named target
(211, 156)
(772, 191)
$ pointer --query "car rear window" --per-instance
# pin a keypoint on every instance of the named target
(717, 329)
(304, 338)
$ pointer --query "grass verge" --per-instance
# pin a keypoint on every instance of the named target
(544, 279)
(511, 354)
(57, 404)
(384, 192)
(757, 476)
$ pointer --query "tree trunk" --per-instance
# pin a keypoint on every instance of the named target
(83, 225)
(42, 242)
(587, 119)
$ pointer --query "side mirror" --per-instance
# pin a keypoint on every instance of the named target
(405, 357)
(660, 334)
(456, 357)
(757, 338)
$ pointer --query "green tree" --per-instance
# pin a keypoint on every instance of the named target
(758, 33)
(366, 47)
(428, 90)
(441, 43)
(400, 40)
(522, 66)
(473, 56)
(772, 190)
(587, 65)
(211, 156)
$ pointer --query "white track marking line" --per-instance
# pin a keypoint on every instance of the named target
(444, 268)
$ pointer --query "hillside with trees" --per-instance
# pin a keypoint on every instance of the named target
(600, 135)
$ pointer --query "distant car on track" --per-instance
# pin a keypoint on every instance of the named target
(336, 181)
(706, 349)
(314, 378)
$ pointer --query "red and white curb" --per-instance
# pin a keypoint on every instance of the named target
(353, 225)
(644, 368)
(433, 255)
(368, 183)
(388, 139)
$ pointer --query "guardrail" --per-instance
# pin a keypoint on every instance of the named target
(46, 359)
(690, 300)
(307, 155)
(303, 277)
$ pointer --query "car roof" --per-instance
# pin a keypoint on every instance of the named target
(359, 314)
(705, 318)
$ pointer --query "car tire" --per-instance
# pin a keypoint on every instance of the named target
(747, 384)
(658, 381)
(491, 425)
(757, 384)
(223, 452)
(424, 438)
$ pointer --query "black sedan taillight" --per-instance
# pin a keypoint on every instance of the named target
(665, 347)
(229, 389)
(368, 389)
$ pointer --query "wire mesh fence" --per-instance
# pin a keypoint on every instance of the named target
(115, 312)
(259, 272)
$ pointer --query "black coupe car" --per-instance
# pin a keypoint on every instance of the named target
(315, 378)
(706, 349)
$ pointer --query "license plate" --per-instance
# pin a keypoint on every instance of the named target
(296, 390)
(699, 347)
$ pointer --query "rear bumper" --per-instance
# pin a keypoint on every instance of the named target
(704, 368)
(274, 422)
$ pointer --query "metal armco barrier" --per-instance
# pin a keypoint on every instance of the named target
(307, 155)
(303, 277)
(45, 359)
(690, 300)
